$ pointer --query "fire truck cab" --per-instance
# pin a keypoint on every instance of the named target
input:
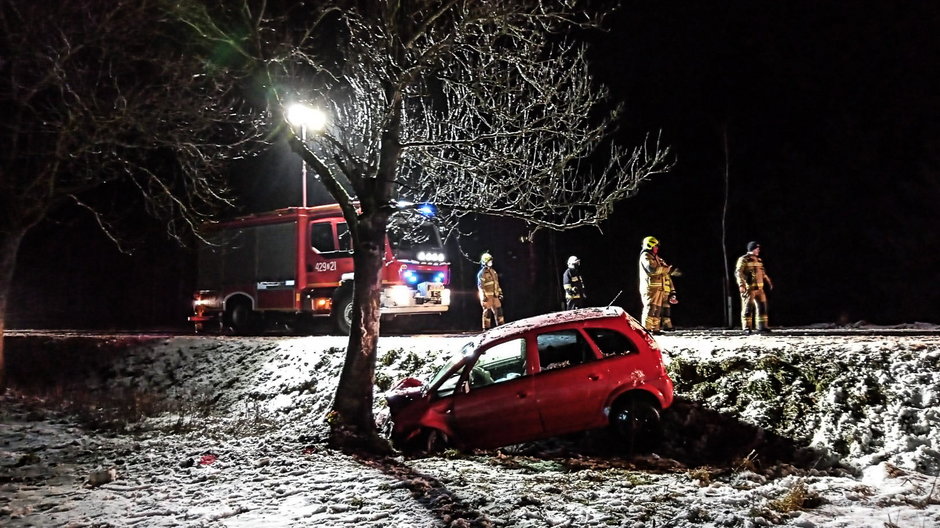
(297, 262)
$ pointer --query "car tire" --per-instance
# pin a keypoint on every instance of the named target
(428, 441)
(636, 422)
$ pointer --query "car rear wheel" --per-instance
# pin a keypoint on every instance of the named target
(636, 421)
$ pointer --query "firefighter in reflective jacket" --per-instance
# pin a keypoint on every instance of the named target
(573, 284)
(670, 297)
(491, 295)
(654, 275)
(751, 277)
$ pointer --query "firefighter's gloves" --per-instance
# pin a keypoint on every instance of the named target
(675, 272)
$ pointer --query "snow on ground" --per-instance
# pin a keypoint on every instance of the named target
(808, 431)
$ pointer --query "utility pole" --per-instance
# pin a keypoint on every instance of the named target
(724, 231)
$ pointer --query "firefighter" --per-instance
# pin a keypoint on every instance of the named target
(751, 276)
(654, 273)
(574, 285)
(670, 297)
(491, 295)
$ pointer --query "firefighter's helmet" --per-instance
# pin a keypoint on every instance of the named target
(573, 261)
(650, 242)
(486, 257)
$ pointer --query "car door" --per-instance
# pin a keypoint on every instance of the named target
(571, 383)
(498, 407)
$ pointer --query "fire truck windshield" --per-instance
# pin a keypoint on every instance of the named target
(409, 239)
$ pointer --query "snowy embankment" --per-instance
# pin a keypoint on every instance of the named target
(794, 431)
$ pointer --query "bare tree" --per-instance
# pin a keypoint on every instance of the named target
(483, 107)
(101, 102)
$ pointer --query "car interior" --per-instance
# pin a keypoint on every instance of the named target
(502, 362)
(611, 342)
(563, 348)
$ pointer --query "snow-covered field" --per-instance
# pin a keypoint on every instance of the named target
(809, 431)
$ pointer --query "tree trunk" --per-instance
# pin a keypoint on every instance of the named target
(9, 247)
(351, 421)
(352, 425)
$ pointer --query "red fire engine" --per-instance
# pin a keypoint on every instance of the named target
(297, 262)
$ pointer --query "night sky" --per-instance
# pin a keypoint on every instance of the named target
(832, 119)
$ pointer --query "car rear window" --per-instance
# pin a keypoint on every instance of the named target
(563, 348)
(611, 342)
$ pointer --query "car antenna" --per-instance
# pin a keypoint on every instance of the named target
(614, 299)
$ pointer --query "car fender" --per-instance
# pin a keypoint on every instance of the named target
(433, 421)
(649, 389)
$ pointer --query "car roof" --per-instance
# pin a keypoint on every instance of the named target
(522, 326)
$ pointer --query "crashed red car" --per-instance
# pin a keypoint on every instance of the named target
(534, 378)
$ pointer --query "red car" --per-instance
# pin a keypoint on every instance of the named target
(543, 376)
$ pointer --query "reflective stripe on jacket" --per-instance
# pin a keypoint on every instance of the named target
(574, 285)
(488, 282)
(750, 272)
(653, 271)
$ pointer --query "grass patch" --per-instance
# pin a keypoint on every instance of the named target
(799, 497)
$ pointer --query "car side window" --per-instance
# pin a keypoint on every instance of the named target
(502, 362)
(611, 342)
(449, 385)
(563, 348)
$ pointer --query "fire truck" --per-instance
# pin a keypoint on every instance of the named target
(295, 263)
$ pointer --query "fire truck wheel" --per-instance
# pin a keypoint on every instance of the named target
(241, 319)
(342, 311)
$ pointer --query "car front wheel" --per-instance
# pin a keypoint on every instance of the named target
(428, 441)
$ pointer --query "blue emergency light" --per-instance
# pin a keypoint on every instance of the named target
(427, 210)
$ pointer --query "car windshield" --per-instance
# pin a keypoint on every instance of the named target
(452, 369)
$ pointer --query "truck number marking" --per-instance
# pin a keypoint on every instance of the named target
(325, 266)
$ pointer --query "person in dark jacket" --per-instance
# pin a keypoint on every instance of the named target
(575, 296)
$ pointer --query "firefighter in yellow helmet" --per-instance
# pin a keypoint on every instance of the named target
(654, 281)
(751, 276)
(491, 295)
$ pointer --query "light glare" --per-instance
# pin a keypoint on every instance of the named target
(307, 117)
